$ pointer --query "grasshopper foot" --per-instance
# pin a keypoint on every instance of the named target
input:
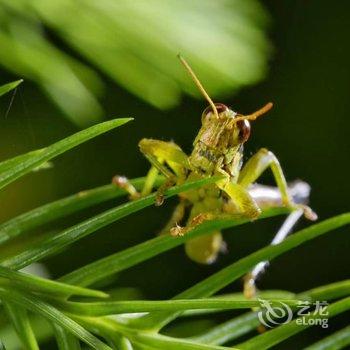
(249, 287)
(250, 292)
(197, 220)
(159, 199)
(178, 230)
(123, 183)
(161, 191)
(308, 212)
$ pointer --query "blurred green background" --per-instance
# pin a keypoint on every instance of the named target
(301, 63)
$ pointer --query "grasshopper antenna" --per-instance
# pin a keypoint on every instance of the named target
(256, 114)
(199, 85)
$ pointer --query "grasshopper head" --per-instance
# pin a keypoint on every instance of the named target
(223, 130)
(224, 127)
(223, 121)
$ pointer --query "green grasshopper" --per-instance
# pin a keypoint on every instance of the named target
(218, 150)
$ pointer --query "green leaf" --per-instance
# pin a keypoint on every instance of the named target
(26, 163)
(330, 291)
(234, 271)
(34, 304)
(114, 263)
(277, 335)
(45, 286)
(70, 235)
(243, 324)
(141, 339)
(265, 294)
(10, 86)
(336, 341)
(65, 340)
(119, 307)
(10, 163)
(51, 69)
(123, 343)
(229, 330)
(135, 53)
(162, 342)
(63, 207)
(20, 321)
(41, 327)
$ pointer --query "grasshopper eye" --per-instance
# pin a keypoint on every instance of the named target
(220, 107)
(244, 130)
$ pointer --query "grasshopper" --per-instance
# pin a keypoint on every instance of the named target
(218, 150)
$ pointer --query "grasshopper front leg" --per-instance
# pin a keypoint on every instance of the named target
(166, 158)
(175, 219)
(161, 153)
(244, 205)
(203, 249)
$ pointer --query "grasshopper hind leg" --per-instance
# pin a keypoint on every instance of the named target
(250, 278)
(271, 196)
(254, 168)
